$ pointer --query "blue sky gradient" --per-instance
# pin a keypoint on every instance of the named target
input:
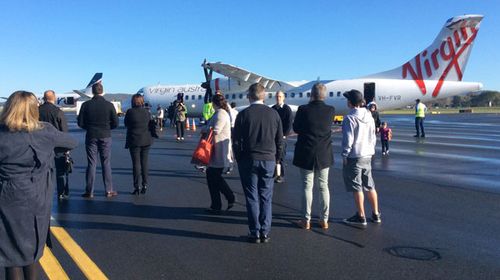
(61, 44)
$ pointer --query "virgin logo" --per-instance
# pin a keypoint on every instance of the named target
(448, 53)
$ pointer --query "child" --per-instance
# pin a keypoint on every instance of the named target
(385, 137)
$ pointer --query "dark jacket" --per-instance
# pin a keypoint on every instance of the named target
(313, 124)
(26, 189)
(52, 114)
(137, 123)
(258, 134)
(97, 116)
(286, 117)
(376, 118)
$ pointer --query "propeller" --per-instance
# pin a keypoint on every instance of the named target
(206, 85)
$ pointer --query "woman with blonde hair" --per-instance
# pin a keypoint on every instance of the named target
(26, 183)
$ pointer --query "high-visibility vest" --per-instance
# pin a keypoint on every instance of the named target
(420, 110)
(208, 111)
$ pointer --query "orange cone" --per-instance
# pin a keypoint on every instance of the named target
(193, 127)
(187, 124)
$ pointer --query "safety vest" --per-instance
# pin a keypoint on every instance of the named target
(208, 110)
(420, 110)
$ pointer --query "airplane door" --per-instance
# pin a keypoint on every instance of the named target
(369, 92)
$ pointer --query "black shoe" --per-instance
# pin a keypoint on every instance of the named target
(376, 218)
(87, 195)
(265, 238)
(416, 135)
(143, 190)
(279, 180)
(423, 135)
(213, 211)
(135, 192)
(356, 220)
(253, 239)
(230, 205)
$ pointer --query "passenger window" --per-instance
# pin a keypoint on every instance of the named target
(199, 97)
(241, 96)
(187, 97)
(292, 95)
(193, 97)
(227, 96)
(286, 95)
(308, 94)
(270, 95)
(338, 93)
(233, 96)
(301, 95)
(331, 93)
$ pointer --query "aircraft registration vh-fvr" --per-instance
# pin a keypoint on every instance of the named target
(435, 72)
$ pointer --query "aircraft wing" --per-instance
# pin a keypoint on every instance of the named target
(246, 76)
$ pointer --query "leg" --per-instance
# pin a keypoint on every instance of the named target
(212, 174)
(14, 273)
(60, 162)
(136, 168)
(183, 124)
(31, 271)
(422, 126)
(322, 177)
(178, 128)
(265, 190)
(224, 188)
(248, 178)
(359, 200)
(91, 148)
(417, 126)
(105, 153)
(307, 177)
(373, 199)
(282, 161)
(145, 165)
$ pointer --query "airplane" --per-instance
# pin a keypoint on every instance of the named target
(69, 99)
(435, 72)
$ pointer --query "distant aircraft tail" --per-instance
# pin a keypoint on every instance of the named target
(87, 91)
(444, 60)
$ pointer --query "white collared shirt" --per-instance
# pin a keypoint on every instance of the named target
(258, 102)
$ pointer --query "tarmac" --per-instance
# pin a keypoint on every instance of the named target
(439, 198)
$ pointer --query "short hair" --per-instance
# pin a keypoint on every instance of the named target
(49, 95)
(256, 92)
(233, 104)
(137, 101)
(97, 89)
(318, 91)
(280, 91)
(21, 112)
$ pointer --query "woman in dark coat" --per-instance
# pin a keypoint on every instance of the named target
(26, 183)
(372, 106)
(138, 141)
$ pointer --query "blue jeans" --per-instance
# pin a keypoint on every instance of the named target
(419, 126)
(257, 181)
(101, 146)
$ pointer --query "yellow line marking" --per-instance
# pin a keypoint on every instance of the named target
(86, 265)
(51, 266)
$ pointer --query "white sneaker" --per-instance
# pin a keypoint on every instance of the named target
(178, 139)
(182, 138)
(387, 152)
(383, 153)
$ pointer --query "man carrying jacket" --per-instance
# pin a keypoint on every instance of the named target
(50, 113)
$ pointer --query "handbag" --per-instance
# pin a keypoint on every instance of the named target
(203, 151)
(68, 163)
(154, 130)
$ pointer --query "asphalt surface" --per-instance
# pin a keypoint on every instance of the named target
(439, 197)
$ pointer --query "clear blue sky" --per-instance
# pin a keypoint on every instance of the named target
(61, 44)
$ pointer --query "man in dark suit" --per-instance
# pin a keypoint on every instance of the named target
(98, 116)
(50, 113)
(257, 139)
(313, 152)
(286, 117)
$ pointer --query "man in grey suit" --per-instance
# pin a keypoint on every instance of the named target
(98, 116)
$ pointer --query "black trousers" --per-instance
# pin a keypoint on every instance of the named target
(216, 186)
(419, 126)
(282, 160)
(61, 174)
(140, 166)
(179, 126)
(385, 145)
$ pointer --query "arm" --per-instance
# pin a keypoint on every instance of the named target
(278, 139)
(63, 124)
(127, 119)
(347, 137)
(81, 118)
(298, 124)
(113, 117)
(62, 139)
(288, 120)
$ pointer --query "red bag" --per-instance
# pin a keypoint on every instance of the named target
(203, 151)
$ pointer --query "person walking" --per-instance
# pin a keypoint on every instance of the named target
(26, 186)
(138, 142)
(385, 137)
(313, 153)
(358, 147)
(286, 116)
(49, 112)
(372, 106)
(98, 116)
(257, 144)
(159, 117)
(221, 157)
(420, 110)
(180, 119)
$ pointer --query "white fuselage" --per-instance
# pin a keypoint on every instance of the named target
(388, 94)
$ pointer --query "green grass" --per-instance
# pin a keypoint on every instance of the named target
(480, 110)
